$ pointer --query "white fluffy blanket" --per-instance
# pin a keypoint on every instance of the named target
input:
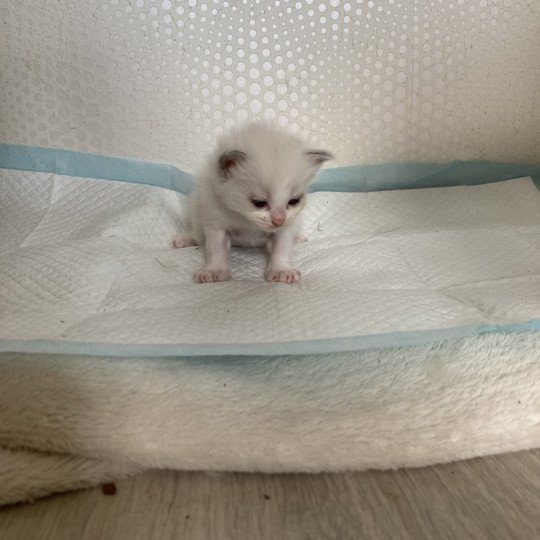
(68, 422)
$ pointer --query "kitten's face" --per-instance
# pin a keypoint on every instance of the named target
(273, 210)
(269, 195)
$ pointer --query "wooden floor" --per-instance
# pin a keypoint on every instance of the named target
(489, 498)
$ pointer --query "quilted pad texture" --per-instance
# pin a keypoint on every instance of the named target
(88, 263)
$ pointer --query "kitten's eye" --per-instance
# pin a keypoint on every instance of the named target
(295, 201)
(258, 203)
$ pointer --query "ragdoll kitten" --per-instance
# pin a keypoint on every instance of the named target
(251, 194)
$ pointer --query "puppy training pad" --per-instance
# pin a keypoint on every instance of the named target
(86, 267)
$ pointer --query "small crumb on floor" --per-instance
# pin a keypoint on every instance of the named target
(266, 496)
(108, 489)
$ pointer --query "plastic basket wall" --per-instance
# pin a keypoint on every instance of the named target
(372, 81)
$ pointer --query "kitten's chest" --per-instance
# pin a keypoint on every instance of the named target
(247, 238)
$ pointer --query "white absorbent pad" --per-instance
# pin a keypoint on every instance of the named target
(86, 267)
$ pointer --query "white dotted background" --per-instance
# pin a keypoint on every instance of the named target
(373, 81)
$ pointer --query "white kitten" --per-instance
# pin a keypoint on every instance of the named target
(251, 194)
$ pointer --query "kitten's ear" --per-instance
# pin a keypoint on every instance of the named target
(228, 160)
(318, 157)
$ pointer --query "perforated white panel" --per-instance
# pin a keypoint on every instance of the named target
(372, 81)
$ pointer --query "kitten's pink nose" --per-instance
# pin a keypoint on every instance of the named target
(278, 217)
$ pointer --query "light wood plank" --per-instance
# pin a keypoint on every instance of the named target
(488, 498)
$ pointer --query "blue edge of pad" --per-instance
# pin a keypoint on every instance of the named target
(346, 179)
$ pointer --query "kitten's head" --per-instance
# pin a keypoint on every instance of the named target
(262, 173)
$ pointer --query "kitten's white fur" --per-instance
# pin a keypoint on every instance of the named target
(257, 162)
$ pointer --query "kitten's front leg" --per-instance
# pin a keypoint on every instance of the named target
(279, 266)
(217, 258)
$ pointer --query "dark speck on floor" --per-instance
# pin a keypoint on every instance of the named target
(108, 489)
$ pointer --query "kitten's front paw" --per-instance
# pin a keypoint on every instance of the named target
(183, 241)
(210, 275)
(283, 276)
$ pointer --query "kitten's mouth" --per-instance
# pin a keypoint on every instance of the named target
(267, 227)
(270, 227)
